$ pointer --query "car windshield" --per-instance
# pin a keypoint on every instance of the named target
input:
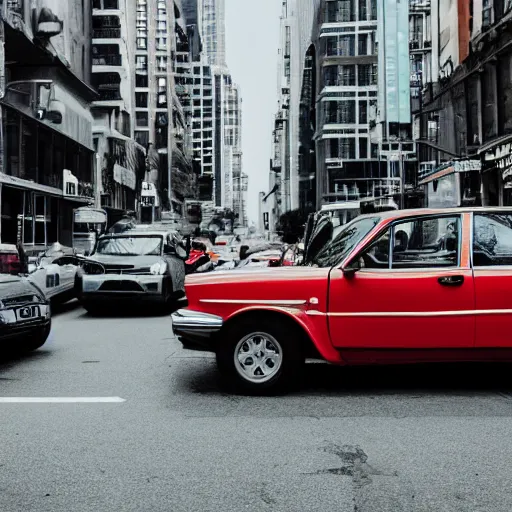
(130, 246)
(340, 246)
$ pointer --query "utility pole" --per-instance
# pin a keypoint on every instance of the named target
(402, 176)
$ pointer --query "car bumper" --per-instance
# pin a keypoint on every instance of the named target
(196, 330)
(11, 327)
(108, 287)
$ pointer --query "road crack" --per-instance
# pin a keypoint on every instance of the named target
(355, 465)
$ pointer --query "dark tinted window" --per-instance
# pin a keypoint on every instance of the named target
(426, 243)
(492, 240)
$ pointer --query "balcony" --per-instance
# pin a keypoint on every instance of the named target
(348, 81)
(417, 45)
(107, 60)
(106, 33)
(419, 6)
(108, 86)
(109, 94)
(106, 27)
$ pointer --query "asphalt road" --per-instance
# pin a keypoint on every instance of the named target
(434, 438)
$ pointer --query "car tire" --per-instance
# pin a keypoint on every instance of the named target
(36, 341)
(249, 352)
(92, 309)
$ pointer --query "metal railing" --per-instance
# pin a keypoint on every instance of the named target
(106, 33)
(107, 60)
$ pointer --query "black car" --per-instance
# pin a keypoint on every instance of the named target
(25, 320)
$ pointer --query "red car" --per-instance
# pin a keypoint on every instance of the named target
(407, 286)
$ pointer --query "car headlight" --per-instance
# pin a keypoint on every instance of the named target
(39, 296)
(158, 268)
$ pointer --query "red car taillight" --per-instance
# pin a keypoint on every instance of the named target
(9, 264)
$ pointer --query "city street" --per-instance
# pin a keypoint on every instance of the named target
(409, 439)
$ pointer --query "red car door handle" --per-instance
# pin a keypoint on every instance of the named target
(451, 280)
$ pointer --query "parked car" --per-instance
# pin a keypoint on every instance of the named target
(54, 273)
(407, 286)
(44, 267)
(137, 264)
(25, 321)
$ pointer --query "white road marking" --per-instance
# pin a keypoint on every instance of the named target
(60, 399)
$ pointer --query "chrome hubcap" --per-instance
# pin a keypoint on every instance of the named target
(258, 357)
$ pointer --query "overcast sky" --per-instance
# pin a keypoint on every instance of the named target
(252, 37)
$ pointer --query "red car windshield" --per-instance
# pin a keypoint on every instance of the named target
(339, 248)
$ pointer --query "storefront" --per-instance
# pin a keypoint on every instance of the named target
(454, 184)
(497, 174)
(48, 168)
(35, 214)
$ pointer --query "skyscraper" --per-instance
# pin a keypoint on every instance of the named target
(213, 17)
(221, 99)
(161, 118)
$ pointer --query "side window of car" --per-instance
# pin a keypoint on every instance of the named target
(492, 240)
(377, 254)
(426, 243)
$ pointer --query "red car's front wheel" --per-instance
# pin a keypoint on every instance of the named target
(260, 357)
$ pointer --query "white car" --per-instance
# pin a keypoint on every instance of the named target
(50, 269)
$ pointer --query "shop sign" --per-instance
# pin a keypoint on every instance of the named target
(498, 153)
(501, 158)
(125, 177)
(468, 166)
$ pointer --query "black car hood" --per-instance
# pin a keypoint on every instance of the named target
(14, 286)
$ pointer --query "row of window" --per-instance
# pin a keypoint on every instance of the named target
(349, 45)
(427, 243)
(141, 64)
(350, 148)
(347, 111)
(339, 11)
(361, 75)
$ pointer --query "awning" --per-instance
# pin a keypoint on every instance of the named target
(114, 134)
(125, 177)
(451, 168)
(12, 181)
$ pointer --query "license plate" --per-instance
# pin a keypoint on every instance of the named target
(27, 313)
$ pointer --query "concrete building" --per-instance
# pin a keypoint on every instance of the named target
(47, 147)
(293, 162)
(120, 160)
(203, 126)
(213, 30)
(464, 136)
(162, 111)
(225, 103)
(401, 41)
(348, 161)
(232, 114)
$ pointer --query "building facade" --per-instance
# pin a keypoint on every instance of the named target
(163, 114)
(120, 160)
(464, 120)
(220, 155)
(47, 143)
(349, 166)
